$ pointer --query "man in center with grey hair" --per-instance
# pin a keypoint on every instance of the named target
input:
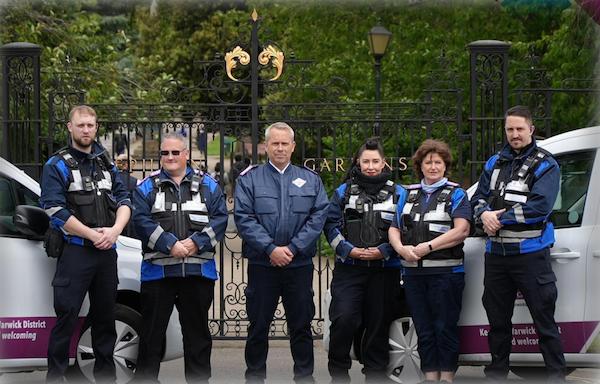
(280, 210)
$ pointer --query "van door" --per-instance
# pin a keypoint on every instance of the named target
(25, 280)
(592, 309)
(26, 305)
(574, 217)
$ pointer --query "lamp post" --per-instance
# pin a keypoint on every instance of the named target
(379, 37)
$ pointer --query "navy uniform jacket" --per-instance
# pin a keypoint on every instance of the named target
(460, 208)
(333, 228)
(273, 209)
(55, 184)
(206, 240)
(536, 209)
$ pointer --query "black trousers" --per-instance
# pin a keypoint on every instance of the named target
(265, 286)
(435, 303)
(532, 275)
(192, 296)
(78, 271)
(362, 298)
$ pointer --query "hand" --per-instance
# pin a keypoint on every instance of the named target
(356, 253)
(281, 256)
(372, 253)
(421, 250)
(108, 237)
(179, 250)
(408, 253)
(190, 246)
(490, 221)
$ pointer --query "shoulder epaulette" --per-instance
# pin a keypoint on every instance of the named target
(311, 170)
(105, 158)
(545, 152)
(444, 196)
(413, 194)
(412, 186)
(198, 171)
(452, 184)
(248, 169)
(70, 160)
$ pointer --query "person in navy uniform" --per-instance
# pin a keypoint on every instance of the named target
(180, 215)
(428, 232)
(84, 197)
(280, 210)
(367, 269)
(512, 204)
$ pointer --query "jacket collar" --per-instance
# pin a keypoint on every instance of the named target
(97, 150)
(275, 169)
(164, 175)
(507, 153)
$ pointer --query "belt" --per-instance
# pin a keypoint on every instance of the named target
(159, 258)
(365, 263)
(433, 263)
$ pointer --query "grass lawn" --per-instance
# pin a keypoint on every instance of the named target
(213, 147)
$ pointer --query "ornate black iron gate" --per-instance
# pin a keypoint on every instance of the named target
(241, 86)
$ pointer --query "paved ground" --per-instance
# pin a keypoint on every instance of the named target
(228, 367)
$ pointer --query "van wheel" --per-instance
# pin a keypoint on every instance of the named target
(405, 363)
(127, 324)
(534, 373)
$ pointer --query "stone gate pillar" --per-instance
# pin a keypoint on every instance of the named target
(20, 104)
(489, 99)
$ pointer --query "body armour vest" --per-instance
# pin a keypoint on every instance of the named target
(89, 197)
(508, 191)
(424, 223)
(368, 218)
(181, 211)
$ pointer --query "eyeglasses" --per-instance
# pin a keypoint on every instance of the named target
(174, 153)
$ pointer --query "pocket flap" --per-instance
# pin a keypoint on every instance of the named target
(264, 192)
(302, 191)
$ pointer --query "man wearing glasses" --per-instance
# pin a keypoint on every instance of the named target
(180, 216)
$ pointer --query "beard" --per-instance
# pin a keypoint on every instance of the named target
(83, 142)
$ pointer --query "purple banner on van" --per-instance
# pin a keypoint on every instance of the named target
(574, 335)
(27, 337)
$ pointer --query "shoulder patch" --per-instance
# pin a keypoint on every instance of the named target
(248, 169)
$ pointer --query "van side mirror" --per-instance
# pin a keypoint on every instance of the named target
(31, 221)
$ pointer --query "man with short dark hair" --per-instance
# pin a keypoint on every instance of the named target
(280, 210)
(512, 203)
(86, 200)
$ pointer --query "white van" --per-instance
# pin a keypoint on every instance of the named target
(26, 296)
(576, 263)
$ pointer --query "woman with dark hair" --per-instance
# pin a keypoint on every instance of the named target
(366, 267)
(428, 232)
